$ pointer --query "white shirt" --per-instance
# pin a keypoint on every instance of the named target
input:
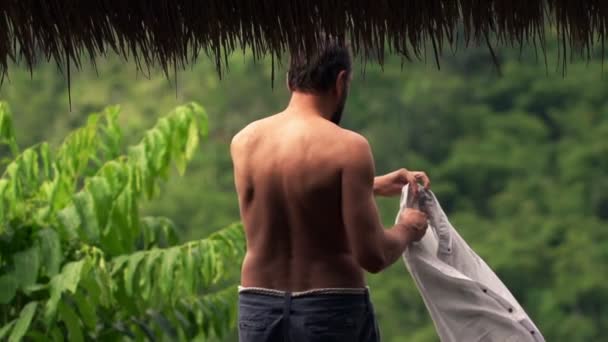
(466, 300)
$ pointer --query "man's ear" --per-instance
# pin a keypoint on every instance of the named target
(341, 83)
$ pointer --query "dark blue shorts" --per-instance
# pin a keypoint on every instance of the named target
(315, 317)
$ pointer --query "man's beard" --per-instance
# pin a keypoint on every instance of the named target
(337, 116)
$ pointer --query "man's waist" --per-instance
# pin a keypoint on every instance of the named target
(308, 292)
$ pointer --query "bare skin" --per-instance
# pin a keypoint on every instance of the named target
(306, 194)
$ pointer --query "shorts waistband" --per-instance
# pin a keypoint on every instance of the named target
(329, 290)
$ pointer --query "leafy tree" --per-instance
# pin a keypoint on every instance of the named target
(77, 258)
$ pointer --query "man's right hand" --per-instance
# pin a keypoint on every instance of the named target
(414, 223)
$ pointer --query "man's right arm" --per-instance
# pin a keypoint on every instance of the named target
(374, 247)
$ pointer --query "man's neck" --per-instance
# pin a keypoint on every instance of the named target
(310, 104)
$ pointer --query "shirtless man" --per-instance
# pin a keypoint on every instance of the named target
(306, 191)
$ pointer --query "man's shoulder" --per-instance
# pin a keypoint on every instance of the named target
(354, 149)
(239, 141)
(246, 133)
(249, 136)
(354, 142)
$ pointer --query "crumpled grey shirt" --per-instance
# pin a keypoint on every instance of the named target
(466, 300)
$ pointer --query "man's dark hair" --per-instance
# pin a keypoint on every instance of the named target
(317, 72)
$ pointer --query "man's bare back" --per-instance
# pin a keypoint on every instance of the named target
(288, 176)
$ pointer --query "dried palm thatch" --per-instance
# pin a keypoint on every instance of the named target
(173, 33)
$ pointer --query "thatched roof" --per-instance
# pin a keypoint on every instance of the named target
(173, 33)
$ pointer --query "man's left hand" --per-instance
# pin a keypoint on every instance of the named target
(392, 183)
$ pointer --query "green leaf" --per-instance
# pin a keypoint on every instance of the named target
(35, 288)
(70, 275)
(45, 154)
(23, 322)
(131, 269)
(118, 263)
(78, 148)
(27, 265)
(193, 140)
(56, 192)
(99, 188)
(8, 288)
(201, 115)
(189, 279)
(89, 285)
(150, 271)
(83, 201)
(67, 280)
(116, 174)
(30, 167)
(158, 232)
(86, 310)
(72, 323)
(50, 249)
(211, 266)
(170, 258)
(103, 283)
(113, 134)
(6, 328)
(3, 207)
(70, 222)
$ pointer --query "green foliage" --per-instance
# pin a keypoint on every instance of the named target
(79, 261)
(23, 321)
(7, 134)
